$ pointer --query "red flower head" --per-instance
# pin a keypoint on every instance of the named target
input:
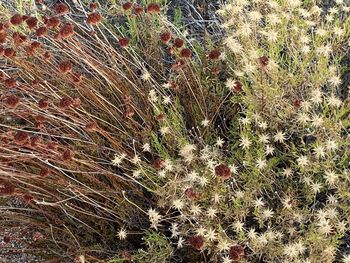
(47, 56)
(129, 111)
(127, 6)
(77, 77)
(236, 252)
(196, 242)
(21, 137)
(223, 171)
(65, 66)
(263, 61)
(41, 31)
(35, 44)
(61, 9)
(35, 141)
(191, 194)
(32, 22)
(297, 103)
(237, 86)
(93, 6)
(10, 83)
(9, 52)
(153, 8)
(43, 104)
(18, 38)
(12, 101)
(138, 9)
(44, 172)
(214, 54)
(178, 42)
(53, 22)
(3, 36)
(159, 163)
(124, 42)
(186, 53)
(16, 19)
(94, 18)
(67, 30)
(165, 37)
(67, 155)
(178, 64)
(65, 102)
(7, 188)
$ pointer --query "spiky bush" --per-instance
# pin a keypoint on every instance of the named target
(126, 139)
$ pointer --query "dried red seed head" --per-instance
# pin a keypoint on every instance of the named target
(93, 6)
(41, 31)
(178, 64)
(18, 38)
(196, 242)
(297, 103)
(10, 83)
(53, 22)
(165, 37)
(77, 77)
(129, 111)
(76, 102)
(12, 101)
(186, 53)
(44, 172)
(94, 18)
(16, 19)
(91, 126)
(21, 137)
(127, 6)
(191, 194)
(47, 56)
(35, 44)
(236, 252)
(61, 9)
(52, 146)
(43, 104)
(65, 66)
(37, 236)
(153, 8)
(31, 22)
(178, 42)
(7, 239)
(237, 86)
(35, 141)
(67, 30)
(27, 198)
(124, 42)
(7, 188)
(159, 163)
(67, 155)
(138, 9)
(263, 61)
(223, 171)
(3, 36)
(65, 102)
(214, 54)
(9, 52)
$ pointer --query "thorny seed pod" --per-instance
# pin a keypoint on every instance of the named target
(214, 54)
(153, 8)
(158, 163)
(223, 171)
(178, 42)
(138, 9)
(7, 188)
(61, 9)
(124, 42)
(196, 242)
(94, 18)
(12, 101)
(93, 6)
(10, 83)
(31, 22)
(53, 22)
(65, 66)
(263, 61)
(65, 102)
(67, 30)
(9, 52)
(165, 37)
(67, 155)
(127, 6)
(21, 137)
(41, 31)
(16, 19)
(186, 53)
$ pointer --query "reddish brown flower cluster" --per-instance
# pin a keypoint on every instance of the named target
(138, 9)
(31, 22)
(67, 30)
(47, 56)
(94, 18)
(178, 42)
(129, 111)
(65, 66)
(6, 188)
(35, 141)
(53, 22)
(159, 163)
(21, 137)
(12, 101)
(178, 64)
(9, 52)
(165, 37)
(44, 172)
(237, 86)
(16, 19)
(153, 8)
(61, 9)
(236, 252)
(65, 102)
(214, 54)
(67, 155)
(263, 61)
(18, 38)
(297, 103)
(3, 36)
(196, 242)
(223, 171)
(186, 53)
(43, 104)
(191, 194)
(93, 6)
(127, 6)
(124, 42)
(41, 31)
(91, 126)
(10, 83)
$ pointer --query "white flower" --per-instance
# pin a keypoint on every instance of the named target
(287, 172)
(245, 121)
(331, 145)
(146, 147)
(264, 138)
(118, 159)
(219, 142)
(227, 259)
(255, 16)
(294, 250)
(211, 234)
(136, 159)
(346, 259)
(122, 234)
(259, 203)
(146, 75)
(279, 137)
(178, 204)
(205, 123)
(187, 150)
(211, 212)
(334, 101)
(174, 229)
(245, 142)
(317, 121)
(316, 187)
(201, 231)
(164, 130)
(180, 242)
(331, 177)
(233, 45)
(166, 100)
(223, 245)
(335, 81)
(287, 203)
(319, 151)
(267, 213)
(324, 227)
(136, 174)
(233, 168)
(261, 163)
(154, 217)
(262, 125)
(303, 118)
(203, 181)
(269, 150)
(195, 210)
(303, 161)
